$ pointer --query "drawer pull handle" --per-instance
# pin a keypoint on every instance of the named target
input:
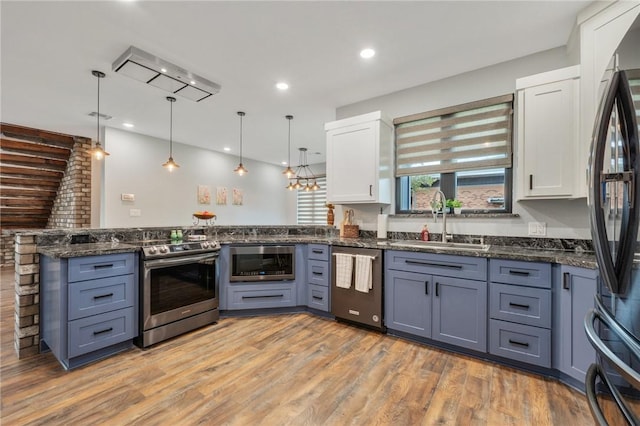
(317, 297)
(520, 273)
(102, 296)
(103, 266)
(435, 265)
(566, 281)
(106, 330)
(263, 297)
(316, 273)
(515, 342)
(518, 305)
(426, 288)
(317, 251)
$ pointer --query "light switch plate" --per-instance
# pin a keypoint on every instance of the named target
(128, 197)
(537, 229)
(135, 212)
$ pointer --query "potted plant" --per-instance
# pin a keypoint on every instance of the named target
(456, 205)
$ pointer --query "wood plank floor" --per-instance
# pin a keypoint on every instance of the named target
(294, 369)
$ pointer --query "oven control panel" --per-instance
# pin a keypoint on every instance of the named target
(162, 250)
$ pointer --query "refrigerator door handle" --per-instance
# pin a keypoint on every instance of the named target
(628, 373)
(593, 373)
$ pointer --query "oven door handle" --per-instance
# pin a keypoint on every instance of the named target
(176, 261)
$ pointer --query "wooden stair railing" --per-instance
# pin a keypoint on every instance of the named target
(32, 165)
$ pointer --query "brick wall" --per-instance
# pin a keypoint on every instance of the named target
(27, 303)
(472, 197)
(7, 248)
(72, 206)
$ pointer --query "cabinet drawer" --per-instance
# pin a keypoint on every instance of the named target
(98, 296)
(318, 297)
(273, 296)
(520, 342)
(92, 267)
(99, 331)
(474, 268)
(318, 272)
(524, 305)
(318, 252)
(534, 274)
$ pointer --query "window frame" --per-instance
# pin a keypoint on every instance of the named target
(447, 181)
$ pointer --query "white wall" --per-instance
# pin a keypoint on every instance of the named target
(564, 218)
(169, 199)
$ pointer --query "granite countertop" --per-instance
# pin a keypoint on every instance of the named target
(89, 249)
(571, 258)
(565, 257)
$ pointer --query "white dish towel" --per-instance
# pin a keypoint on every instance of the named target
(364, 281)
(344, 269)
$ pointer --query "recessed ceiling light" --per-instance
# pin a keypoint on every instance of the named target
(367, 53)
(284, 163)
(226, 148)
(129, 125)
(163, 69)
(193, 83)
(282, 85)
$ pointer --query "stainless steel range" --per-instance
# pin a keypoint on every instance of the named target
(178, 289)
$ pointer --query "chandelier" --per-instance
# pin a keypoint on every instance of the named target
(304, 178)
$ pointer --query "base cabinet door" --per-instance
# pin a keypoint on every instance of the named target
(408, 302)
(576, 289)
(460, 312)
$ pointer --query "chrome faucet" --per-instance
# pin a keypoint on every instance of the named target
(434, 207)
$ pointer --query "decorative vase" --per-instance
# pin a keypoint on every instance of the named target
(330, 217)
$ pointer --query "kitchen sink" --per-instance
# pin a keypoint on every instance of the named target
(440, 245)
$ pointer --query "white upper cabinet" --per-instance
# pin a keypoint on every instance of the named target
(547, 134)
(359, 160)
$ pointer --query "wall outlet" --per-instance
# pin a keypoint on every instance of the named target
(537, 229)
(128, 197)
(135, 212)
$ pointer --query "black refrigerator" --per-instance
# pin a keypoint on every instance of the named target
(613, 326)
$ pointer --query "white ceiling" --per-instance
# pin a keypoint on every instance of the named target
(49, 49)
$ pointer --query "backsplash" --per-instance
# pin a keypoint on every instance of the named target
(578, 246)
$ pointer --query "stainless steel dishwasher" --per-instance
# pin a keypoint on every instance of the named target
(355, 306)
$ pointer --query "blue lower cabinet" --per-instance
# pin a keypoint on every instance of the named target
(260, 296)
(407, 302)
(318, 297)
(460, 312)
(520, 342)
(88, 306)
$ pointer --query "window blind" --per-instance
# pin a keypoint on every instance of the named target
(311, 205)
(471, 136)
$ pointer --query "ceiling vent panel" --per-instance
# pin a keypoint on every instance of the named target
(157, 72)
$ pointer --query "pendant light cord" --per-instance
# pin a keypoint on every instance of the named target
(98, 115)
(171, 129)
(289, 151)
(241, 136)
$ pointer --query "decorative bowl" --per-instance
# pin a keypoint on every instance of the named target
(204, 216)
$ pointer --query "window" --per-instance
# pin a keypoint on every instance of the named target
(464, 151)
(311, 205)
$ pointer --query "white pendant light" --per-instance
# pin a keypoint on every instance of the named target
(170, 164)
(97, 151)
(240, 170)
